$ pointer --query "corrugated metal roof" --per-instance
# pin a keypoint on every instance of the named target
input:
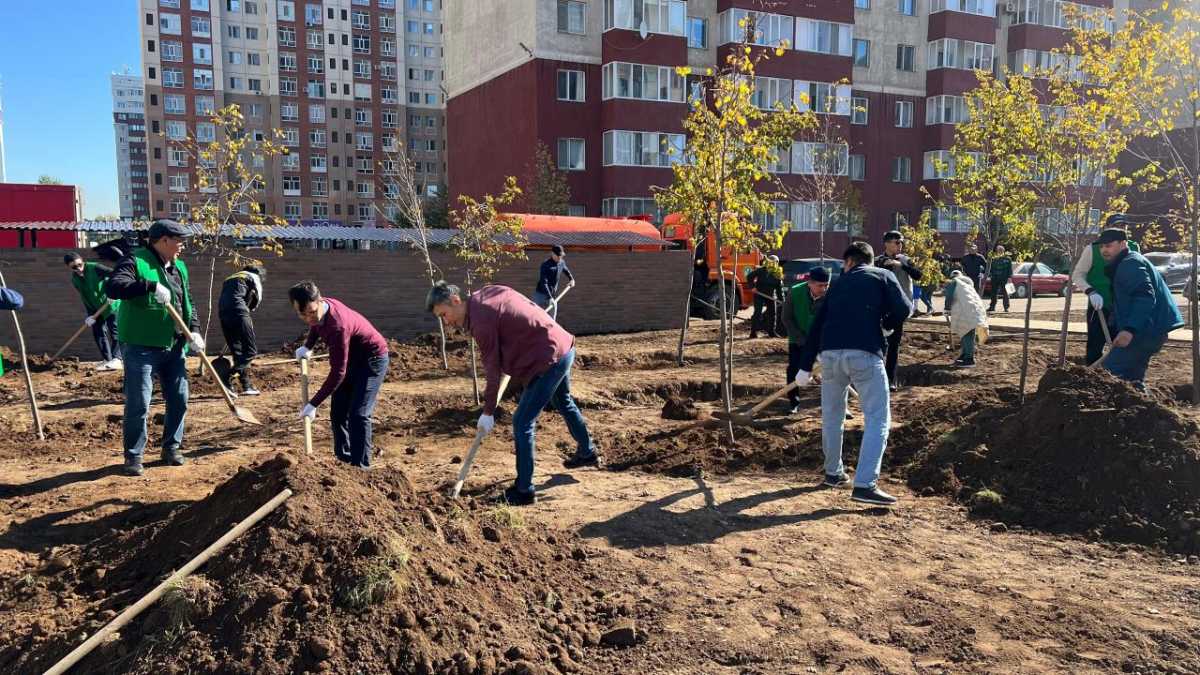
(437, 237)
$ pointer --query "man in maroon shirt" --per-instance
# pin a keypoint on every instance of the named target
(517, 337)
(358, 363)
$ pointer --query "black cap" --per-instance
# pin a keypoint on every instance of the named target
(819, 274)
(1111, 234)
(166, 227)
(556, 249)
(893, 235)
(1116, 219)
(256, 269)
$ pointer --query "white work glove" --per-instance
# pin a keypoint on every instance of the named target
(89, 321)
(162, 294)
(887, 332)
(309, 411)
(1097, 300)
(485, 424)
(196, 342)
(303, 352)
(803, 377)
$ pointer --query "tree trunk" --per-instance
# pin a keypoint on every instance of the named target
(212, 276)
(722, 348)
(1066, 318)
(1025, 336)
(687, 313)
(1195, 322)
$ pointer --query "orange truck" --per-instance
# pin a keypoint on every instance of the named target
(705, 299)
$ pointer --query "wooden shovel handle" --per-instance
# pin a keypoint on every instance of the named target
(772, 398)
(304, 397)
(79, 332)
(182, 326)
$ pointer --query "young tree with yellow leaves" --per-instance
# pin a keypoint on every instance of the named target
(230, 170)
(730, 151)
(486, 241)
(1148, 70)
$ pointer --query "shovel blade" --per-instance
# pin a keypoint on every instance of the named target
(735, 417)
(245, 415)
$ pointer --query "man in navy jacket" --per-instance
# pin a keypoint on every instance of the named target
(1145, 311)
(849, 334)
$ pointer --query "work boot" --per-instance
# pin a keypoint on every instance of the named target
(515, 497)
(577, 462)
(132, 468)
(173, 457)
(962, 363)
(872, 495)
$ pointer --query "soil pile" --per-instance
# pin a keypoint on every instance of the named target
(355, 573)
(1089, 453)
(678, 408)
(692, 450)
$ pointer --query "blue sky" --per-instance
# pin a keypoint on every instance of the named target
(54, 73)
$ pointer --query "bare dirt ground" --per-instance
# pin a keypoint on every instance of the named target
(722, 559)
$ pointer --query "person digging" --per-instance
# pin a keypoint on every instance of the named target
(88, 279)
(358, 363)
(848, 334)
(146, 281)
(517, 337)
(767, 288)
(1090, 274)
(803, 301)
(968, 316)
(241, 294)
(552, 271)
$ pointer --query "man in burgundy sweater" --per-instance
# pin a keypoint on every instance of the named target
(358, 363)
(517, 337)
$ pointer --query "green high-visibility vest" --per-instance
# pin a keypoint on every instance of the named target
(91, 290)
(1098, 280)
(144, 321)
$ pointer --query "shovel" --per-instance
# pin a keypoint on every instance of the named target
(748, 417)
(304, 400)
(470, 458)
(1107, 339)
(95, 317)
(241, 413)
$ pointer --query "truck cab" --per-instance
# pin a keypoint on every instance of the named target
(710, 267)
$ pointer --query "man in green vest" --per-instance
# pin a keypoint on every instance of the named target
(803, 301)
(145, 281)
(88, 280)
(1089, 275)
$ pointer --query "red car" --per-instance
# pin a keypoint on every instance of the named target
(1045, 281)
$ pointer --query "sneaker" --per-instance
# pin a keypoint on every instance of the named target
(959, 363)
(173, 457)
(796, 408)
(872, 495)
(111, 364)
(250, 391)
(133, 468)
(577, 462)
(835, 481)
(514, 497)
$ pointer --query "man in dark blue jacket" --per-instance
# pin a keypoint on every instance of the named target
(1144, 310)
(849, 333)
(551, 272)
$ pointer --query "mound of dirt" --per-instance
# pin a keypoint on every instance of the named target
(1089, 453)
(677, 408)
(690, 450)
(354, 573)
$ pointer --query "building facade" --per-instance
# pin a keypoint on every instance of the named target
(129, 126)
(595, 81)
(327, 73)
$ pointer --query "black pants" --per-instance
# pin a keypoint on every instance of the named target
(793, 367)
(764, 316)
(351, 406)
(893, 354)
(1095, 335)
(238, 330)
(999, 287)
(104, 331)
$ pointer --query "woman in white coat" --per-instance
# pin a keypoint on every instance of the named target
(968, 317)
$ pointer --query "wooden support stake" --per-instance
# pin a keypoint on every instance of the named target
(37, 417)
(150, 598)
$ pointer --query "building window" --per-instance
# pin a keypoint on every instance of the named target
(770, 92)
(172, 51)
(172, 77)
(660, 16)
(169, 24)
(201, 27)
(858, 109)
(697, 32)
(759, 28)
(287, 37)
(178, 182)
(174, 104)
(945, 110)
(571, 17)
(904, 114)
(901, 170)
(907, 7)
(202, 79)
(177, 157)
(570, 154)
(858, 167)
(862, 4)
(291, 210)
(362, 44)
(820, 159)
(570, 85)
(648, 83)
(981, 7)
(316, 114)
(862, 53)
(360, 20)
(362, 68)
(824, 37)
(823, 98)
(317, 163)
(643, 148)
(904, 57)
(631, 206)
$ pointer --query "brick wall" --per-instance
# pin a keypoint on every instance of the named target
(617, 292)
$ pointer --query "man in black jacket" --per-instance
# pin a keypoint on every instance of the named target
(900, 265)
(241, 294)
(768, 290)
(974, 266)
(848, 334)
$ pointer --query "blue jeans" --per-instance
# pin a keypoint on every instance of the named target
(841, 368)
(350, 409)
(1130, 363)
(542, 300)
(552, 385)
(968, 347)
(141, 364)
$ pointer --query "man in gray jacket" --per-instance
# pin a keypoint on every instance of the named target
(894, 260)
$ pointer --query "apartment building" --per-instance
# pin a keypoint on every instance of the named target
(129, 127)
(425, 98)
(595, 81)
(325, 72)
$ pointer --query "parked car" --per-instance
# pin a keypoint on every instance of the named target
(796, 270)
(1045, 281)
(1176, 269)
